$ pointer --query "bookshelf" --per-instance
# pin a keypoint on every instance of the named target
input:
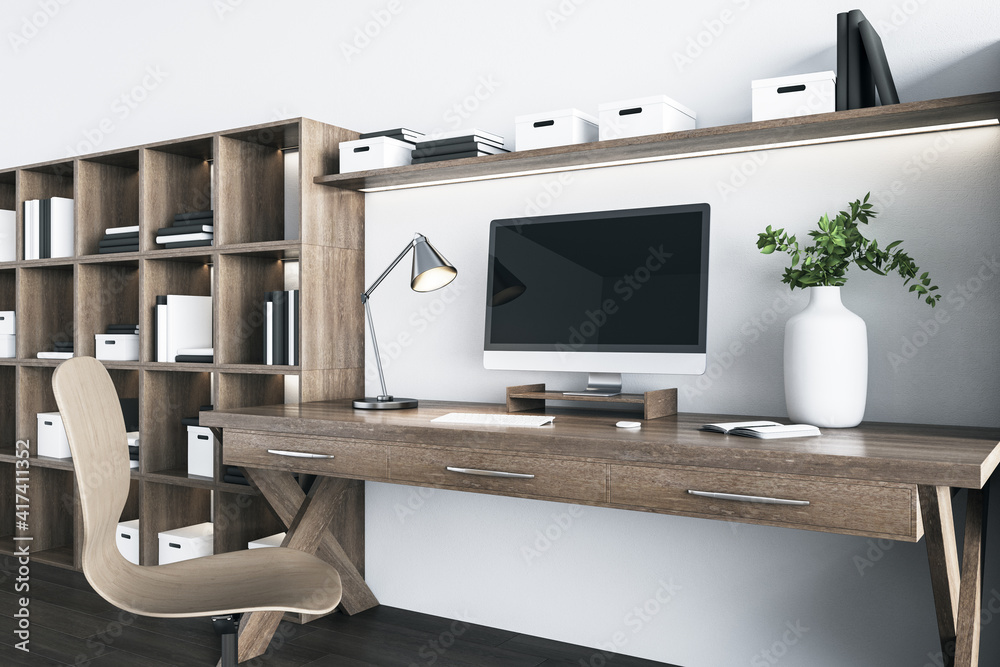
(263, 221)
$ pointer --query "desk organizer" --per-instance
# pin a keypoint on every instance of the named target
(655, 404)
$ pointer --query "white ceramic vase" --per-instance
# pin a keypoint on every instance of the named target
(826, 363)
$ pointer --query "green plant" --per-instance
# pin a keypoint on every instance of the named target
(838, 243)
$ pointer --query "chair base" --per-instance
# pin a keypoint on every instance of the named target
(227, 627)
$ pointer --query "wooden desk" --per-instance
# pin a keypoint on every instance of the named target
(890, 481)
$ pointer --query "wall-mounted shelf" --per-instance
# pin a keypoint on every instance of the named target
(911, 117)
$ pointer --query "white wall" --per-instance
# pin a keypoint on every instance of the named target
(186, 67)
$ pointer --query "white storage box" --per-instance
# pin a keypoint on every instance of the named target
(555, 128)
(800, 95)
(52, 440)
(647, 115)
(127, 539)
(8, 346)
(186, 543)
(269, 541)
(374, 153)
(117, 347)
(201, 450)
(7, 323)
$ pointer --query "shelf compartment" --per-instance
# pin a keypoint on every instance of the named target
(105, 294)
(169, 276)
(52, 517)
(108, 196)
(8, 500)
(174, 178)
(166, 507)
(8, 289)
(240, 518)
(166, 399)
(251, 191)
(244, 281)
(34, 395)
(837, 126)
(45, 314)
(238, 390)
(8, 202)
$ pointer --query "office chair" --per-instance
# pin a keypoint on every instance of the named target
(221, 586)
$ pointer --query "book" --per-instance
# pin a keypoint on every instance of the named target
(181, 238)
(486, 136)
(45, 228)
(884, 84)
(764, 430)
(160, 328)
(860, 83)
(185, 229)
(31, 229)
(122, 328)
(117, 240)
(114, 231)
(293, 327)
(488, 149)
(54, 355)
(8, 236)
(449, 156)
(280, 318)
(194, 215)
(194, 358)
(189, 323)
(841, 85)
(61, 227)
(197, 350)
(233, 479)
(118, 248)
(401, 133)
(189, 244)
(440, 143)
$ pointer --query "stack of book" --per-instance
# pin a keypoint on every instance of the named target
(455, 145)
(61, 349)
(119, 239)
(189, 230)
(235, 475)
(122, 329)
(133, 449)
(48, 228)
(182, 328)
(400, 133)
(281, 328)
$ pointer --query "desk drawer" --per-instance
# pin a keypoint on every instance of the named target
(860, 508)
(522, 476)
(349, 458)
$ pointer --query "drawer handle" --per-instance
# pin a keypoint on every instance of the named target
(490, 473)
(747, 499)
(299, 455)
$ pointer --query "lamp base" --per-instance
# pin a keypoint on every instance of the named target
(372, 403)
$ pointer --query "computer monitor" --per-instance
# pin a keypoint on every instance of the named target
(606, 293)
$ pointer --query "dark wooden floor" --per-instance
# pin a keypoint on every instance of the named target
(72, 625)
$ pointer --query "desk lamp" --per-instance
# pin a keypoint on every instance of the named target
(430, 271)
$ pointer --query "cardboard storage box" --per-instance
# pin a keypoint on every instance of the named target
(52, 439)
(646, 115)
(117, 347)
(127, 539)
(201, 451)
(554, 128)
(8, 346)
(7, 323)
(799, 95)
(374, 153)
(186, 543)
(269, 541)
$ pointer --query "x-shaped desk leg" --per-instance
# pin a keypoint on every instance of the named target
(308, 519)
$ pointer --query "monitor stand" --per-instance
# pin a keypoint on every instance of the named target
(600, 384)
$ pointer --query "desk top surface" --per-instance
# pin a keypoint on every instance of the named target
(909, 453)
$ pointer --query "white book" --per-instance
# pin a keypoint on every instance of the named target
(489, 136)
(268, 332)
(180, 238)
(55, 355)
(161, 332)
(726, 427)
(111, 231)
(189, 323)
(197, 351)
(290, 340)
(62, 235)
(133, 438)
(31, 231)
(8, 236)
(771, 430)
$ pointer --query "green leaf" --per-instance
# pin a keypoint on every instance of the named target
(767, 250)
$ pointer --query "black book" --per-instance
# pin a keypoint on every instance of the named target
(400, 133)
(449, 156)
(841, 61)
(233, 479)
(189, 421)
(860, 83)
(450, 141)
(133, 452)
(195, 215)
(192, 228)
(194, 358)
(118, 239)
(235, 471)
(122, 328)
(189, 244)
(62, 347)
(118, 248)
(878, 63)
(279, 317)
(487, 149)
(130, 412)
(45, 228)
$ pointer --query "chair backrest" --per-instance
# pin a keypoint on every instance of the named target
(95, 428)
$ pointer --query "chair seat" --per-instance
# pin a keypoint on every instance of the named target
(233, 582)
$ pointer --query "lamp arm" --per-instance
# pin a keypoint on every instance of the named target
(399, 258)
(378, 359)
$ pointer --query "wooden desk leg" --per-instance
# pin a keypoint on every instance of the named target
(942, 554)
(971, 593)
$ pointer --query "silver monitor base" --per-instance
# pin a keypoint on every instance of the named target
(600, 384)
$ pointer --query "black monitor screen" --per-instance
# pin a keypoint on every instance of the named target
(614, 281)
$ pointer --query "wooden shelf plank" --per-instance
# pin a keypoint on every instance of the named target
(180, 477)
(58, 556)
(819, 127)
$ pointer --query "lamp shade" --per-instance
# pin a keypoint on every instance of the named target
(431, 271)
